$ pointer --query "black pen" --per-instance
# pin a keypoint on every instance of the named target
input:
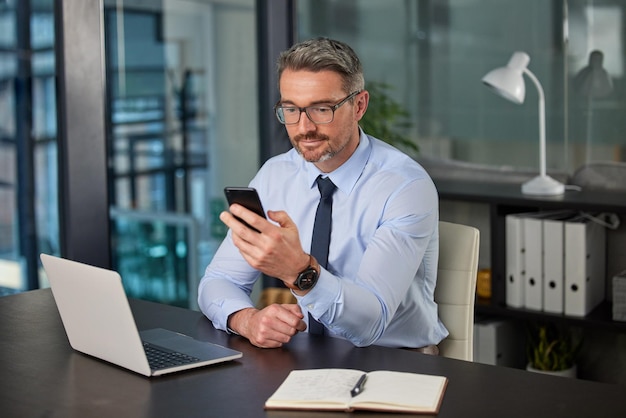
(358, 388)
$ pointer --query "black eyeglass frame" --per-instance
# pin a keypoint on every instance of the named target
(278, 107)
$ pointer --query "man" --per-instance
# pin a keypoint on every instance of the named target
(378, 282)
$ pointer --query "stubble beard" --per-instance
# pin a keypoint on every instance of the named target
(318, 156)
(314, 156)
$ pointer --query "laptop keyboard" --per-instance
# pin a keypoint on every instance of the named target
(161, 358)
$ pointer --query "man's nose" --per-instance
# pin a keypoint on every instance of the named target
(305, 124)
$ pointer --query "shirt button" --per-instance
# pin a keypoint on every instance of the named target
(310, 306)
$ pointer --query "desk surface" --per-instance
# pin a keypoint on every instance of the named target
(42, 376)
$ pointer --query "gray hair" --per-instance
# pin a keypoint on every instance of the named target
(324, 54)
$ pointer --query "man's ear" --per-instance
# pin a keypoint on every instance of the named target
(360, 105)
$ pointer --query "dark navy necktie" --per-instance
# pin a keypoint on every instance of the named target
(321, 235)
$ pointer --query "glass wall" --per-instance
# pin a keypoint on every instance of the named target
(431, 55)
(28, 166)
(183, 114)
(182, 124)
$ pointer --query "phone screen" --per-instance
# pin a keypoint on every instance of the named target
(246, 197)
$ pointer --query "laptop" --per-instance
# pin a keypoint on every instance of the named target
(98, 321)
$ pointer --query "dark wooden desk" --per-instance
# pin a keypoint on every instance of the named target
(41, 376)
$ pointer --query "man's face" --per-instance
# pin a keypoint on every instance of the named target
(327, 145)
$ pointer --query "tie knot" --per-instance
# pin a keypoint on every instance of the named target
(326, 186)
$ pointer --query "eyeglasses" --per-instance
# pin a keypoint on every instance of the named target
(290, 115)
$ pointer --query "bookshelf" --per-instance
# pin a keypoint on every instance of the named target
(505, 198)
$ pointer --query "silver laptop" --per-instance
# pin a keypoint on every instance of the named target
(98, 322)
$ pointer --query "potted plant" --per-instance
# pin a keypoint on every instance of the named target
(552, 350)
(386, 119)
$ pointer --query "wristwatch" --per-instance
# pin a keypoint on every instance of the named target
(308, 277)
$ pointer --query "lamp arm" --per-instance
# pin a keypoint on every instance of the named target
(542, 123)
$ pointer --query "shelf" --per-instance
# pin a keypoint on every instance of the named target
(599, 318)
(505, 198)
(509, 194)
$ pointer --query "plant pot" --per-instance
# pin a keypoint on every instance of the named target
(571, 372)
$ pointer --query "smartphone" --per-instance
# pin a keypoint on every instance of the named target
(246, 197)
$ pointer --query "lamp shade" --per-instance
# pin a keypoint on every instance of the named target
(508, 81)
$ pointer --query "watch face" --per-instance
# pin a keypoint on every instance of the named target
(307, 279)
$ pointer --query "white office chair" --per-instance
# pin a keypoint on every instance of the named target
(456, 287)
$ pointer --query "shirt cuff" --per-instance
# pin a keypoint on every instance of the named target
(322, 297)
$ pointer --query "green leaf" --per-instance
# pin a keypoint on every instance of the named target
(386, 119)
(551, 348)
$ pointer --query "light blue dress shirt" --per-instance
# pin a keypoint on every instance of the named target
(379, 284)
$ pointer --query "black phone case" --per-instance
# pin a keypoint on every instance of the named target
(246, 197)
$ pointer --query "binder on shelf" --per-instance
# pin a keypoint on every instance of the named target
(533, 262)
(619, 296)
(554, 263)
(514, 250)
(498, 342)
(585, 250)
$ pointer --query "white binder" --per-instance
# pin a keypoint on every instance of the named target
(514, 250)
(533, 262)
(585, 250)
(499, 343)
(553, 265)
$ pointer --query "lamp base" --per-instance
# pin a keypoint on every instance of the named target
(543, 186)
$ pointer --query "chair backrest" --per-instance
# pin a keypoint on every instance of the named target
(456, 287)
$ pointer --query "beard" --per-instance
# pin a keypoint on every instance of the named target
(324, 151)
(316, 155)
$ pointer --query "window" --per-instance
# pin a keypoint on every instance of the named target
(182, 124)
(432, 56)
(29, 219)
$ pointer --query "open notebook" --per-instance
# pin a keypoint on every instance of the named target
(99, 322)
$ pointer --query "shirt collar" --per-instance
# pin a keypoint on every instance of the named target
(346, 175)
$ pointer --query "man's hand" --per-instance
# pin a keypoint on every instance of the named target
(269, 327)
(276, 250)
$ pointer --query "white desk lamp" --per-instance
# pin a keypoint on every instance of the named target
(508, 82)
